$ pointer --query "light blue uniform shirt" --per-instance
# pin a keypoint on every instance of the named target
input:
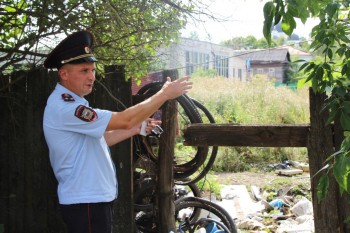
(79, 154)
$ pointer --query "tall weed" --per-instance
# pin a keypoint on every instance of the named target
(255, 102)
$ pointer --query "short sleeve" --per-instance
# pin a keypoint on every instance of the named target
(85, 120)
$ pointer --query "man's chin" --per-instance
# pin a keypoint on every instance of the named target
(87, 92)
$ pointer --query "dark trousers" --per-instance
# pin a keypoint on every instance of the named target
(88, 217)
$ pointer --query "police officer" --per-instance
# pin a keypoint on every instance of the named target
(78, 136)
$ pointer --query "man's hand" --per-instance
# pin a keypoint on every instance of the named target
(136, 114)
(173, 89)
(150, 124)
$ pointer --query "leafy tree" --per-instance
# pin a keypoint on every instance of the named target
(281, 40)
(250, 42)
(235, 43)
(194, 36)
(127, 31)
(330, 75)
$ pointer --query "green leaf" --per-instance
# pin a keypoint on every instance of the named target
(322, 188)
(331, 117)
(330, 53)
(345, 120)
(326, 66)
(310, 67)
(319, 73)
(269, 11)
(340, 91)
(346, 106)
(345, 146)
(279, 11)
(277, 19)
(341, 171)
(314, 84)
(303, 66)
(314, 7)
(9, 9)
(288, 24)
(331, 9)
(341, 51)
(344, 69)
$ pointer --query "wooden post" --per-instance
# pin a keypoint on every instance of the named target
(122, 152)
(320, 147)
(344, 199)
(165, 197)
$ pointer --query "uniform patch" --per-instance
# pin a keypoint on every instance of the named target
(67, 97)
(85, 113)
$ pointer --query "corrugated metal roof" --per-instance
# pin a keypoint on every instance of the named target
(265, 55)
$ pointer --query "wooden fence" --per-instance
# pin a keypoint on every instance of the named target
(321, 140)
(28, 199)
(28, 188)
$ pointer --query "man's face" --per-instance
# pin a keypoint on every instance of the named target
(78, 78)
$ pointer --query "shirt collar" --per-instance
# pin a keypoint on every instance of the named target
(61, 89)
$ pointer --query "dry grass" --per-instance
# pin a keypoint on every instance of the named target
(254, 102)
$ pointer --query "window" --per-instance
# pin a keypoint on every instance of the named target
(272, 72)
(221, 65)
(240, 74)
(195, 60)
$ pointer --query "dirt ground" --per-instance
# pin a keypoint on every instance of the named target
(263, 179)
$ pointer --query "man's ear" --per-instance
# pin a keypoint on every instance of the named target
(62, 72)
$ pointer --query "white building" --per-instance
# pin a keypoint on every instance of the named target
(189, 55)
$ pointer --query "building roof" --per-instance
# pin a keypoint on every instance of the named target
(295, 51)
(265, 55)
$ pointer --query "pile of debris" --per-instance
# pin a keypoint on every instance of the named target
(255, 212)
(289, 168)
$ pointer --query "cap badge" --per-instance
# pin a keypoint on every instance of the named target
(87, 50)
(67, 97)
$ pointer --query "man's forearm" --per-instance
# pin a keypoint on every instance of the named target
(115, 136)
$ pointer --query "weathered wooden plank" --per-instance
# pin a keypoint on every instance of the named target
(327, 213)
(246, 135)
(165, 184)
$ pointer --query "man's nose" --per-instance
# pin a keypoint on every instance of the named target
(92, 75)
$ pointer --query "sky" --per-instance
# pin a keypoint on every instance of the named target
(244, 18)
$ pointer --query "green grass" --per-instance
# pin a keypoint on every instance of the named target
(210, 186)
(254, 102)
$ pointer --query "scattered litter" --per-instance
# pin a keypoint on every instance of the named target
(283, 214)
(292, 226)
(256, 193)
(289, 168)
(267, 205)
(302, 166)
(302, 207)
(227, 192)
(277, 203)
(250, 224)
(289, 172)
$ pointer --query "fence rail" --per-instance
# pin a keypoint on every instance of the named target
(28, 199)
(246, 135)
